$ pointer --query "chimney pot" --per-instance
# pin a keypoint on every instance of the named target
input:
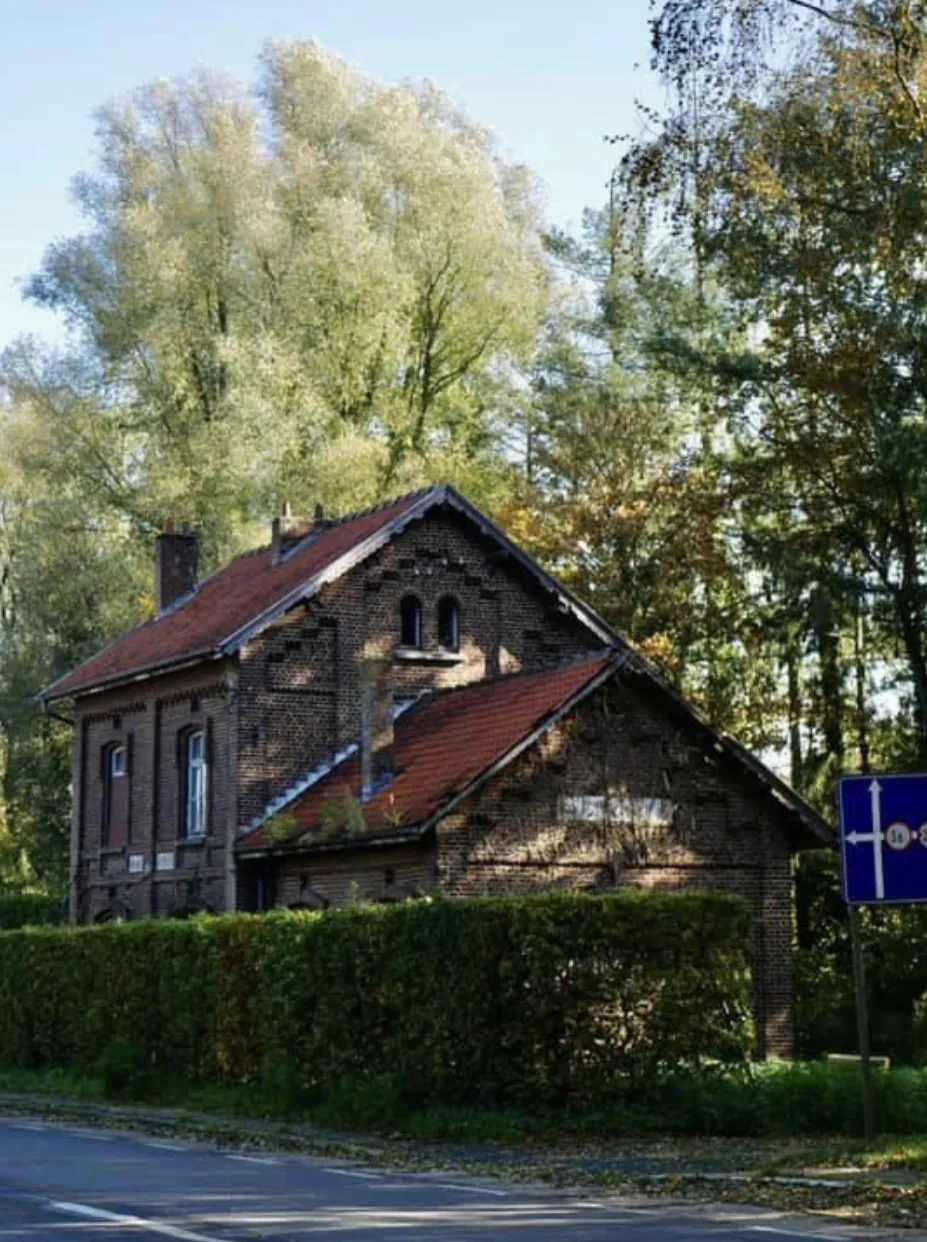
(175, 566)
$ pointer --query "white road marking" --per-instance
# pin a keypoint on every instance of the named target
(794, 1233)
(129, 1222)
(25, 1125)
(93, 1138)
(365, 1177)
(253, 1159)
(163, 1146)
(473, 1190)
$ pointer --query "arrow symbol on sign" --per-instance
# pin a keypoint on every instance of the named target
(859, 838)
(875, 837)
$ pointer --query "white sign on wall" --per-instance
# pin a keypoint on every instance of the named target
(620, 809)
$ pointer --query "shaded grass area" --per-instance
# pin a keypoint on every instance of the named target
(816, 1108)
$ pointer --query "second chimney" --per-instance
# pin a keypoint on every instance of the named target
(377, 731)
(177, 555)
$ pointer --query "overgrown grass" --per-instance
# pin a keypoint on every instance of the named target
(766, 1101)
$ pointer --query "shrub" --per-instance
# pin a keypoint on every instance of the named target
(895, 947)
(540, 1000)
(126, 1073)
(29, 910)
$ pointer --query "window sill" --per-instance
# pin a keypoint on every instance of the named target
(112, 851)
(416, 655)
(199, 839)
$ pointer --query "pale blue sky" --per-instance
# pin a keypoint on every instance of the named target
(549, 78)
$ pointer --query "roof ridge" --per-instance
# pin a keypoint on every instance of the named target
(380, 506)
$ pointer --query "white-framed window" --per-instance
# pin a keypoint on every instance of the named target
(117, 761)
(194, 819)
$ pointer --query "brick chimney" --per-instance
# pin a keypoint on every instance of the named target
(287, 530)
(377, 731)
(177, 555)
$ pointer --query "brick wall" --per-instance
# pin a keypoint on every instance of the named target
(147, 719)
(621, 794)
(300, 692)
(372, 874)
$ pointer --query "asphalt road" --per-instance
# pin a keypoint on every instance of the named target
(60, 1184)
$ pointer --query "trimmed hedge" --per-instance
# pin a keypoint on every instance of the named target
(30, 910)
(542, 999)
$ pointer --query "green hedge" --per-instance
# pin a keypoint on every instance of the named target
(30, 910)
(543, 999)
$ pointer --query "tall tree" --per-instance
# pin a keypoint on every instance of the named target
(313, 294)
(320, 291)
(810, 209)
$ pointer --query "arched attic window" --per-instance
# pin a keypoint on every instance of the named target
(449, 624)
(410, 621)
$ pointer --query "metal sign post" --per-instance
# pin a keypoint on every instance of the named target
(862, 1024)
(883, 861)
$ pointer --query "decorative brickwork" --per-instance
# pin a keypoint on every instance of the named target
(300, 687)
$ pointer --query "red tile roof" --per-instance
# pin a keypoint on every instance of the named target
(223, 604)
(440, 747)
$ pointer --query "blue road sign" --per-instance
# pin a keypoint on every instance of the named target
(883, 838)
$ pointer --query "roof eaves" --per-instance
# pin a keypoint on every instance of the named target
(338, 567)
(114, 680)
(346, 841)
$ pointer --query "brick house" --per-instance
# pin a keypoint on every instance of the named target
(397, 703)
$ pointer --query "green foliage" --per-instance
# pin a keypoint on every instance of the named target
(894, 940)
(125, 1073)
(29, 910)
(539, 1000)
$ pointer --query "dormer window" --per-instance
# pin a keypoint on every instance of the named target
(448, 624)
(410, 621)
